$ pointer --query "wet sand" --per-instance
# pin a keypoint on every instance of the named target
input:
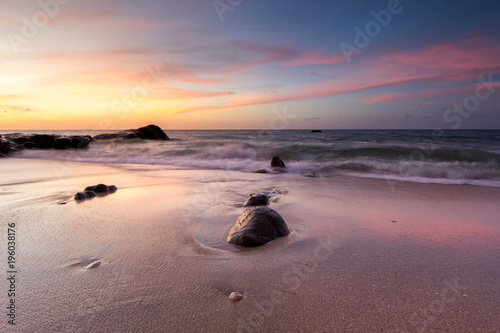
(363, 255)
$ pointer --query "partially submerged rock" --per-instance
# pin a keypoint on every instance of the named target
(316, 131)
(101, 189)
(150, 132)
(5, 147)
(75, 142)
(95, 190)
(19, 141)
(80, 196)
(257, 226)
(258, 199)
(277, 162)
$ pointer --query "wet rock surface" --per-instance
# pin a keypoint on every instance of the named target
(257, 226)
(258, 199)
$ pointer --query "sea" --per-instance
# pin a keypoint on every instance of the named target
(461, 157)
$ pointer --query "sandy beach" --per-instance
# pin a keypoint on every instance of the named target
(363, 255)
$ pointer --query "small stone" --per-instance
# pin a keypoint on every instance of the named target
(235, 296)
(94, 264)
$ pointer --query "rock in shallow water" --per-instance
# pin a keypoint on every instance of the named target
(5, 147)
(85, 195)
(101, 189)
(257, 200)
(256, 227)
(277, 162)
(150, 132)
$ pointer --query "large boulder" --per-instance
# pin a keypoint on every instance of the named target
(257, 200)
(257, 226)
(150, 132)
(277, 162)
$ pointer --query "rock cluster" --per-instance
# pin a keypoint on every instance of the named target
(94, 191)
(16, 142)
(150, 132)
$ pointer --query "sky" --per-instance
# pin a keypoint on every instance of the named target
(241, 64)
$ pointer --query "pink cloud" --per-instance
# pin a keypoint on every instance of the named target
(415, 95)
(314, 58)
(469, 53)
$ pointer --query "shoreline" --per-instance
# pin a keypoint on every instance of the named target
(164, 264)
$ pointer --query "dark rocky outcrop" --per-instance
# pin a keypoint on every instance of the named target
(257, 200)
(5, 147)
(101, 189)
(75, 142)
(277, 162)
(98, 190)
(316, 131)
(40, 141)
(150, 132)
(19, 141)
(261, 171)
(85, 195)
(257, 226)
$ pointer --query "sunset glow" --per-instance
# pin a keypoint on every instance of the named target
(122, 64)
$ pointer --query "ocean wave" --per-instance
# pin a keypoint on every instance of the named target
(454, 161)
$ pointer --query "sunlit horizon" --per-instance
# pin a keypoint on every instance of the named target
(370, 65)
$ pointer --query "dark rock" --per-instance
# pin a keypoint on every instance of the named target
(101, 189)
(79, 142)
(277, 162)
(41, 141)
(5, 147)
(47, 141)
(150, 132)
(67, 142)
(85, 195)
(62, 143)
(261, 171)
(257, 226)
(19, 139)
(257, 200)
(88, 137)
(316, 131)
(105, 136)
